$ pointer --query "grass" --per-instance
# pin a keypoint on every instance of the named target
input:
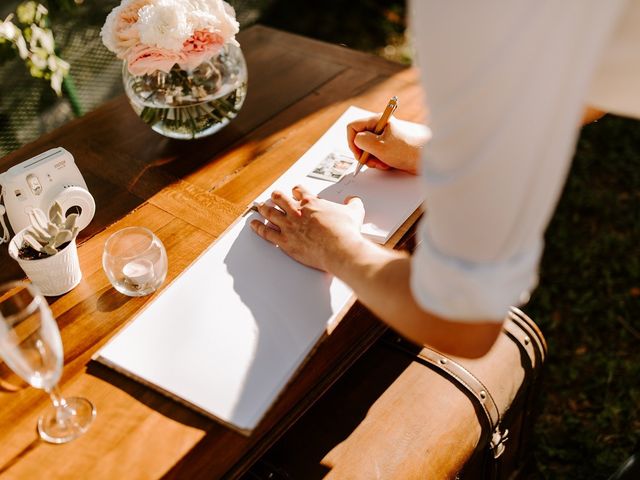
(587, 305)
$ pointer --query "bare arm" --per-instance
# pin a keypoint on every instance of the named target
(380, 278)
(326, 236)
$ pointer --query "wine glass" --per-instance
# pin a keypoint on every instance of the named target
(30, 345)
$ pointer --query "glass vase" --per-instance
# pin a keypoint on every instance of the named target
(192, 104)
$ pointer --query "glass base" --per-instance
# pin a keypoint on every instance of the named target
(67, 422)
(171, 132)
(126, 289)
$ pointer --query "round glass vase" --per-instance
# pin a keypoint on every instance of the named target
(192, 104)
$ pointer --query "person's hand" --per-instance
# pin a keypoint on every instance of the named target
(398, 146)
(313, 231)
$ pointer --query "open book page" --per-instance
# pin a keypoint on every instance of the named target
(327, 169)
(229, 333)
(226, 336)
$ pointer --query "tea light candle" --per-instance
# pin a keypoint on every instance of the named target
(138, 272)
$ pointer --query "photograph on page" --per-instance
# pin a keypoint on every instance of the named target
(333, 167)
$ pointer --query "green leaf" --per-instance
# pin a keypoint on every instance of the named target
(38, 232)
(70, 221)
(55, 209)
(31, 240)
(57, 219)
(63, 237)
(38, 219)
(53, 230)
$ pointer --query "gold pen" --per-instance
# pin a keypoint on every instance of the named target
(379, 128)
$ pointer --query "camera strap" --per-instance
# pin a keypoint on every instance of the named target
(4, 238)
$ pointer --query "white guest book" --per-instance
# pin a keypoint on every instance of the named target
(230, 332)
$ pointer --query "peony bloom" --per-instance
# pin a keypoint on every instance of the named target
(164, 24)
(201, 46)
(216, 16)
(120, 32)
(161, 33)
(142, 60)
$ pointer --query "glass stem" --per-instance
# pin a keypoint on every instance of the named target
(58, 403)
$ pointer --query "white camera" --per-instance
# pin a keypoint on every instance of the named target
(40, 181)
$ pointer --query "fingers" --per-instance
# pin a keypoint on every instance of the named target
(370, 142)
(356, 205)
(286, 203)
(375, 163)
(364, 124)
(271, 213)
(263, 231)
(301, 194)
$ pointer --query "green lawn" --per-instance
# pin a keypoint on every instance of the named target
(588, 307)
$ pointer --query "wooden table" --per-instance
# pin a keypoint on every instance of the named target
(188, 193)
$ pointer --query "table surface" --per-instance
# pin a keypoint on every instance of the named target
(188, 193)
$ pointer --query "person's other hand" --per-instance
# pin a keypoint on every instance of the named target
(398, 146)
(313, 231)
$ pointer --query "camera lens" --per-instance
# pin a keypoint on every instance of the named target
(73, 209)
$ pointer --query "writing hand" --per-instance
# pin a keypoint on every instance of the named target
(398, 146)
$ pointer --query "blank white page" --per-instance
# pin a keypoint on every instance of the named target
(229, 333)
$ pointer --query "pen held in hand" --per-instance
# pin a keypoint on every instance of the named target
(379, 128)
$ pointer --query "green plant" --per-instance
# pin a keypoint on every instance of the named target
(27, 33)
(46, 236)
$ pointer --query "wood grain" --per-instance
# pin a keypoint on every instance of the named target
(188, 193)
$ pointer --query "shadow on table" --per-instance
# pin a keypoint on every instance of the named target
(37, 441)
(111, 300)
(149, 397)
(289, 305)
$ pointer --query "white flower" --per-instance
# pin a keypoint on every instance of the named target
(165, 24)
(120, 31)
(59, 69)
(41, 38)
(217, 16)
(56, 81)
(108, 33)
(12, 33)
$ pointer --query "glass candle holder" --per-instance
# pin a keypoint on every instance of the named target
(135, 261)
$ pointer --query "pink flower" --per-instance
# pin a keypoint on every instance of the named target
(142, 60)
(156, 34)
(120, 30)
(201, 46)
